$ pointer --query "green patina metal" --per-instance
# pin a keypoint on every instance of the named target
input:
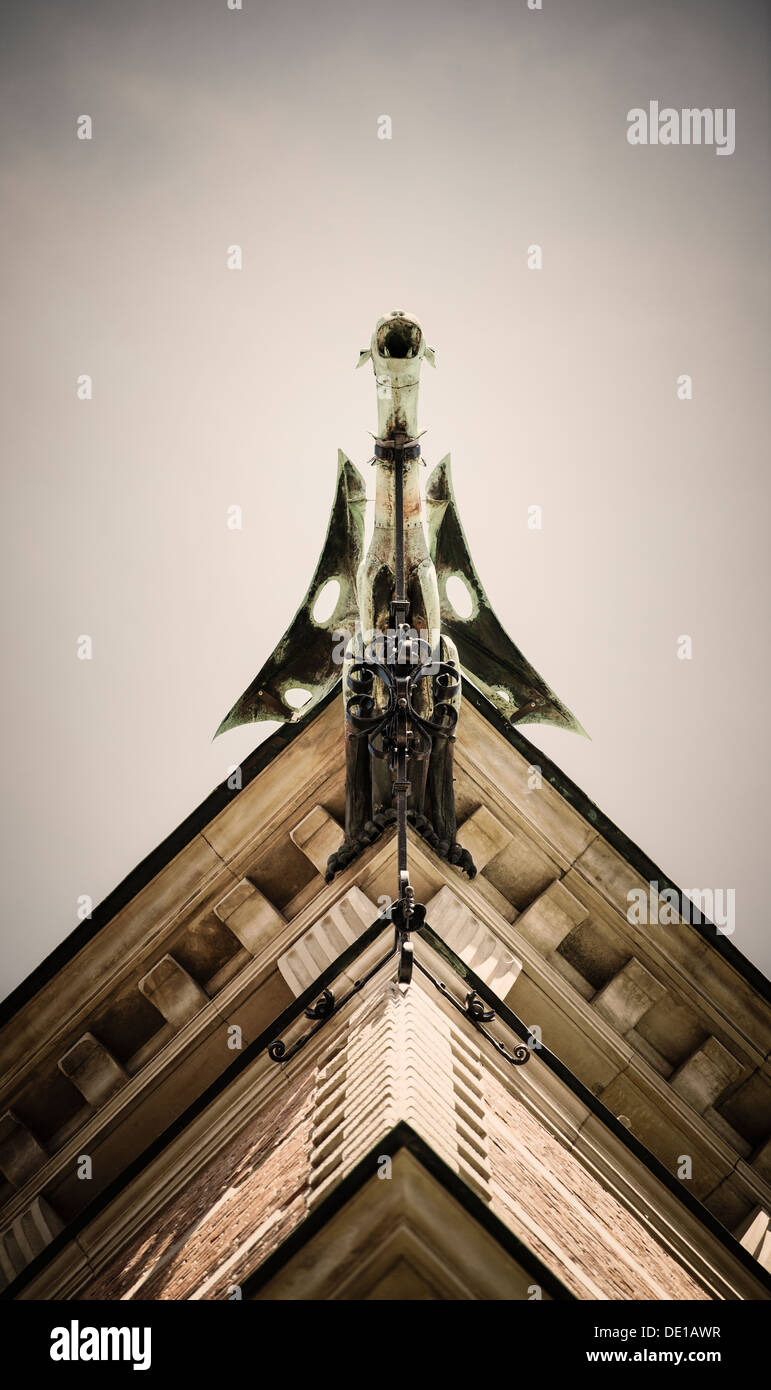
(305, 657)
(309, 659)
(485, 649)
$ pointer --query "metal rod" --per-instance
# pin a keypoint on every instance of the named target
(401, 819)
(401, 779)
(399, 523)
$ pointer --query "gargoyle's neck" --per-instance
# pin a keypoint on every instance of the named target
(385, 494)
(398, 383)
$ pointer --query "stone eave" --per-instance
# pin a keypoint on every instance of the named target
(290, 1016)
(263, 755)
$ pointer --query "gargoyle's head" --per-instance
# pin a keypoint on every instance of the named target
(397, 346)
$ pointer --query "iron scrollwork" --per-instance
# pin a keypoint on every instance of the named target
(399, 678)
(478, 1013)
(323, 1008)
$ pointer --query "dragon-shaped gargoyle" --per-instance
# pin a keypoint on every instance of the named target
(349, 643)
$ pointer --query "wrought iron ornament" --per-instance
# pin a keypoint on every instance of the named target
(473, 1008)
(324, 1008)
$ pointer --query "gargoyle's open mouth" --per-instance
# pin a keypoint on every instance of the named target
(399, 338)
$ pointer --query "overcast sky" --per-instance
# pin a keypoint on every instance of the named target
(214, 387)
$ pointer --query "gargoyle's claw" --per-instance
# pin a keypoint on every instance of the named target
(342, 857)
(465, 862)
(373, 829)
(446, 849)
(351, 848)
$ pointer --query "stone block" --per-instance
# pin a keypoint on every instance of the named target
(317, 835)
(250, 916)
(483, 836)
(94, 1070)
(706, 1074)
(552, 917)
(173, 992)
(20, 1153)
(630, 994)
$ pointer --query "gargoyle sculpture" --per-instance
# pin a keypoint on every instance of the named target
(430, 637)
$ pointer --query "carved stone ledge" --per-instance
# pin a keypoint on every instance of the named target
(25, 1237)
(754, 1233)
(318, 947)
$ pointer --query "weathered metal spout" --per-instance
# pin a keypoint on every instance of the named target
(396, 351)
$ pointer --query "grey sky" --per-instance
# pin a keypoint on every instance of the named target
(216, 387)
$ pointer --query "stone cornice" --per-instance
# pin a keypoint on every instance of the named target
(560, 1101)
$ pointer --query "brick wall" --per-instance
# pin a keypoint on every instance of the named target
(249, 1198)
(229, 1217)
(546, 1196)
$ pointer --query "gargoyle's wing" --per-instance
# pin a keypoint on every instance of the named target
(304, 659)
(485, 650)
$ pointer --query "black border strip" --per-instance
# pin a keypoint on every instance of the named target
(403, 1136)
(289, 1015)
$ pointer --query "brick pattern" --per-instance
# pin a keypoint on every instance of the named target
(229, 1217)
(399, 1056)
(547, 1197)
